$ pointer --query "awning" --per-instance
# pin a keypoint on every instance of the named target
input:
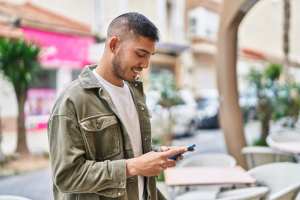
(171, 48)
(205, 48)
(59, 49)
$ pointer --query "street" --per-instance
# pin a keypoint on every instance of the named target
(35, 185)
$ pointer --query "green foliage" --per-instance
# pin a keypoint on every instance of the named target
(260, 142)
(276, 99)
(265, 81)
(287, 102)
(160, 177)
(165, 84)
(255, 78)
(19, 62)
(273, 72)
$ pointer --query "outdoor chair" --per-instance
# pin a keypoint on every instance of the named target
(288, 141)
(282, 179)
(256, 156)
(252, 193)
(287, 136)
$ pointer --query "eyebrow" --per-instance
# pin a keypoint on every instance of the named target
(145, 51)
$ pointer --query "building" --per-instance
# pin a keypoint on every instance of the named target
(65, 45)
(42, 19)
(189, 35)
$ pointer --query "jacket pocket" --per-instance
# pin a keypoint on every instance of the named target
(103, 135)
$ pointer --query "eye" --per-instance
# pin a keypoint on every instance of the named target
(141, 55)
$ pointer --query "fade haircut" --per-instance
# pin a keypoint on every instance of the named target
(132, 22)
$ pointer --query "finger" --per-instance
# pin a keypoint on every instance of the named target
(164, 148)
(164, 166)
(173, 151)
(174, 157)
(160, 169)
(179, 157)
(171, 163)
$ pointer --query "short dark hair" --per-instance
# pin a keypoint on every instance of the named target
(135, 22)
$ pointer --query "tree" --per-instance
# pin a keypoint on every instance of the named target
(164, 83)
(265, 83)
(2, 157)
(19, 63)
(286, 37)
(275, 99)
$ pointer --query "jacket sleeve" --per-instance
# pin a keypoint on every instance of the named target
(160, 195)
(72, 172)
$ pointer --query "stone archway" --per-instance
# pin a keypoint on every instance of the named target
(231, 117)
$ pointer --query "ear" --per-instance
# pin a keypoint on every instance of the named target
(113, 43)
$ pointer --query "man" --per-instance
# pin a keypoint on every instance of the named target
(99, 129)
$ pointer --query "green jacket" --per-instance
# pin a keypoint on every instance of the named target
(89, 144)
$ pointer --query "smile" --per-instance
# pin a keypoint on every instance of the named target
(137, 70)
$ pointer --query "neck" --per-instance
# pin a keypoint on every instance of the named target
(105, 70)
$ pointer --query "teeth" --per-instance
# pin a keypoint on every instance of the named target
(137, 71)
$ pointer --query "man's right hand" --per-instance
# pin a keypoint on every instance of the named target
(152, 163)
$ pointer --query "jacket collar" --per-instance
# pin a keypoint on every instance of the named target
(88, 80)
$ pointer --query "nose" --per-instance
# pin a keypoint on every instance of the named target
(144, 64)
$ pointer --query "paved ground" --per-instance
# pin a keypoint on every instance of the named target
(37, 142)
(35, 185)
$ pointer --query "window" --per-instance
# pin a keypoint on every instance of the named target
(46, 78)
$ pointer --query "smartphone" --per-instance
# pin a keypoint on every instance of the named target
(189, 148)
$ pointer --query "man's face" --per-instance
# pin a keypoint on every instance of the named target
(132, 57)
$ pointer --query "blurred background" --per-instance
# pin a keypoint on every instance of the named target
(44, 45)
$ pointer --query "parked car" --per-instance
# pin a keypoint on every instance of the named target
(180, 115)
(207, 116)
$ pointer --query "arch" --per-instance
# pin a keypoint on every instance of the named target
(230, 113)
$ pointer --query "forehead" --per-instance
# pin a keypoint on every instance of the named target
(141, 43)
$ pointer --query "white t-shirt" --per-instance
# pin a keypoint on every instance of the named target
(122, 100)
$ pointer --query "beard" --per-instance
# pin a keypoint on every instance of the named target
(120, 70)
(117, 67)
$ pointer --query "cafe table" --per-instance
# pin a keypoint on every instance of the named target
(206, 176)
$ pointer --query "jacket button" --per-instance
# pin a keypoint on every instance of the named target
(98, 125)
(142, 108)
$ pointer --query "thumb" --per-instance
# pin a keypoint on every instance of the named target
(174, 151)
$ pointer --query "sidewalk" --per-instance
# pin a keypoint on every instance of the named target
(37, 142)
(212, 141)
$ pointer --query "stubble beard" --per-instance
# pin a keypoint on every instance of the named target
(116, 66)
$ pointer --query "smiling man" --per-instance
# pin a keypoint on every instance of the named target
(99, 130)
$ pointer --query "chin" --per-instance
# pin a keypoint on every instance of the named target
(128, 78)
(132, 78)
